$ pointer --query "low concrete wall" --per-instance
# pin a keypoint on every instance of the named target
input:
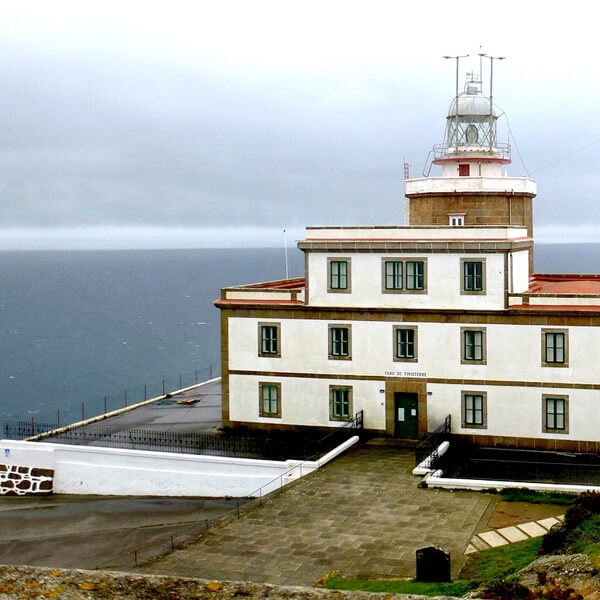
(437, 480)
(121, 472)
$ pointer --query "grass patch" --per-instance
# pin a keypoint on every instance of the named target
(399, 586)
(535, 497)
(497, 563)
(481, 567)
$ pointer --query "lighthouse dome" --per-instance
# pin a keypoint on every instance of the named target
(471, 102)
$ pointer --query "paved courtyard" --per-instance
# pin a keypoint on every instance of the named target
(363, 515)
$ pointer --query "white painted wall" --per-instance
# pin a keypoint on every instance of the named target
(518, 185)
(443, 275)
(514, 353)
(120, 472)
(519, 266)
(305, 401)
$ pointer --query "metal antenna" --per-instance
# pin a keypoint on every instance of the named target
(457, 58)
(287, 269)
(492, 59)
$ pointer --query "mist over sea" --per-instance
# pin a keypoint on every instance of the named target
(85, 330)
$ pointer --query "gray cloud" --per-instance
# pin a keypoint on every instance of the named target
(121, 131)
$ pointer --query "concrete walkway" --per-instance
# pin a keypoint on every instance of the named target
(363, 515)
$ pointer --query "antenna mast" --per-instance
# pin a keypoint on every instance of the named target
(492, 59)
(287, 269)
(457, 58)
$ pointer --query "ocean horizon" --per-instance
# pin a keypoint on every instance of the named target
(84, 331)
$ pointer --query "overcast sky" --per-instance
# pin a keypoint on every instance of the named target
(225, 122)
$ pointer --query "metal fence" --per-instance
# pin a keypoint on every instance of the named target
(91, 407)
(426, 453)
(236, 443)
(504, 464)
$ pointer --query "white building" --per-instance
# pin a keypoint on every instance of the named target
(410, 324)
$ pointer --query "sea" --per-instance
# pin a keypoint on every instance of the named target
(86, 332)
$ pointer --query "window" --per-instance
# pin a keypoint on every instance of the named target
(339, 342)
(555, 348)
(474, 409)
(405, 343)
(473, 276)
(456, 220)
(405, 276)
(464, 170)
(473, 345)
(270, 404)
(268, 336)
(555, 417)
(394, 278)
(415, 275)
(339, 275)
(340, 403)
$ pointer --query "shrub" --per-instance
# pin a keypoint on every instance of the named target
(507, 590)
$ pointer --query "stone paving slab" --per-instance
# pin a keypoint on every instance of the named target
(532, 529)
(513, 534)
(549, 522)
(479, 544)
(493, 538)
(363, 514)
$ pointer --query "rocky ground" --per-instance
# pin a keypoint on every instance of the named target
(33, 583)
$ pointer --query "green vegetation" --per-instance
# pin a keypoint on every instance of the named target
(500, 562)
(400, 586)
(580, 531)
(535, 497)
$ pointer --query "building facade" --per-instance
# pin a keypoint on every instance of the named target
(411, 324)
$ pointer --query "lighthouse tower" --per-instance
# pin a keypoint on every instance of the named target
(473, 189)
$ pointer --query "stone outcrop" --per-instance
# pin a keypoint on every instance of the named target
(17, 480)
(21, 582)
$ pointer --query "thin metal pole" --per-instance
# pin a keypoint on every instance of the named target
(457, 58)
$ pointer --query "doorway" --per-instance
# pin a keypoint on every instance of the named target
(406, 419)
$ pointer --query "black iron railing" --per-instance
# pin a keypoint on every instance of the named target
(427, 452)
(233, 443)
(19, 430)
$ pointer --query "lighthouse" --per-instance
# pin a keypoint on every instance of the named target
(474, 188)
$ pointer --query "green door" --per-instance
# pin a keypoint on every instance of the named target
(406, 418)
